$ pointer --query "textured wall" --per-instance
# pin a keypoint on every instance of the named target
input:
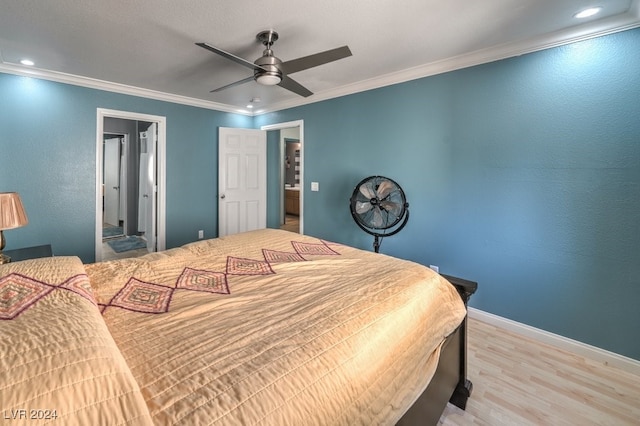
(522, 174)
(47, 154)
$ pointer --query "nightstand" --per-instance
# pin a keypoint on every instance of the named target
(29, 252)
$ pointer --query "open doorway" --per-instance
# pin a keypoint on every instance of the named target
(125, 186)
(291, 174)
(130, 177)
(291, 168)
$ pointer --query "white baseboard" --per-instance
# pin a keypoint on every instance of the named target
(622, 362)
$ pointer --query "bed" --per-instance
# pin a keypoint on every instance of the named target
(265, 327)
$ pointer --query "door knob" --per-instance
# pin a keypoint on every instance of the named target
(223, 196)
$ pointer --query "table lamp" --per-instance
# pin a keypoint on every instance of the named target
(12, 215)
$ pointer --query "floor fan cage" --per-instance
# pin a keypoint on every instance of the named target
(379, 207)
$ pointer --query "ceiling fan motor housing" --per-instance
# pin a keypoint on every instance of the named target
(271, 73)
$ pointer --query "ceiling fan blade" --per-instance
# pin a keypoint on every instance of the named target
(237, 83)
(363, 206)
(385, 188)
(231, 56)
(292, 85)
(367, 190)
(316, 59)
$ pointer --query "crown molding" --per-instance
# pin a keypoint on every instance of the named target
(621, 22)
(603, 27)
(108, 86)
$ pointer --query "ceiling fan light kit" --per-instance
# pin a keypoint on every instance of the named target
(268, 79)
(269, 70)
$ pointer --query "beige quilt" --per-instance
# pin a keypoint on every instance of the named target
(274, 328)
(58, 361)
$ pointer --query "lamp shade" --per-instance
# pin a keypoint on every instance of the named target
(12, 214)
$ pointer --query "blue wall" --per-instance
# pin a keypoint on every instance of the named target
(522, 174)
(47, 154)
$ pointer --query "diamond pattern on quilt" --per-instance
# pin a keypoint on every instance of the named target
(239, 266)
(201, 280)
(80, 285)
(17, 293)
(140, 296)
(273, 256)
(313, 249)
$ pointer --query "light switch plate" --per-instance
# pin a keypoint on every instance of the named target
(315, 186)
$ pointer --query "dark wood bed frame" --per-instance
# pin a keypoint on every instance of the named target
(449, 383)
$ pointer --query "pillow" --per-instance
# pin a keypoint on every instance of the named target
(58, 360)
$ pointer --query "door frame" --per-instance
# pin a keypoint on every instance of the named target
(101, 114)
(287, 125)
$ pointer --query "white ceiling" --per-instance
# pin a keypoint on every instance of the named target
(146, 47)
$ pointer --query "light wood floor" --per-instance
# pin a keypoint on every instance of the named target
(519, 381)
(291, 223)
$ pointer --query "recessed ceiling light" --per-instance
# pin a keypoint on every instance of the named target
(587, 12)
(27, 62)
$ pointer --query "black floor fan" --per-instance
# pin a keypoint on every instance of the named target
(379, 207)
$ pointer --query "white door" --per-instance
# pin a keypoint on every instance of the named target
(242, 180)
(147, 200)
(111, 181)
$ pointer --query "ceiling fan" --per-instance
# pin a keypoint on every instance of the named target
(270, 70)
